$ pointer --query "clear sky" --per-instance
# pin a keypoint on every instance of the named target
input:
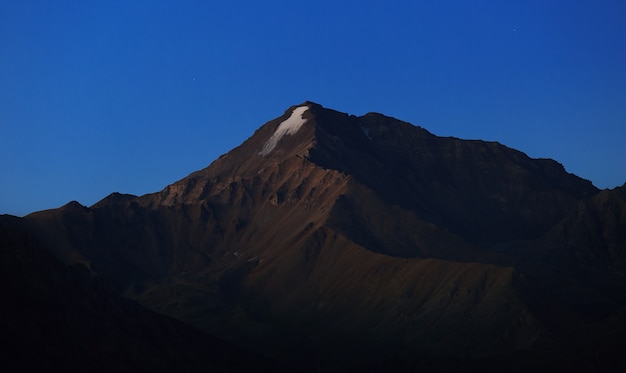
(129, 96)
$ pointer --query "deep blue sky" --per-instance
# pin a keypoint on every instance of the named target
(129, 96)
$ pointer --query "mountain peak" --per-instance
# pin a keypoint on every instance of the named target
(289, 126)
(328, 124)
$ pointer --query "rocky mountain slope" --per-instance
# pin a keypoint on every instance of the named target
(332, 240)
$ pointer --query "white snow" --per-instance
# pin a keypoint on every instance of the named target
(288, 127)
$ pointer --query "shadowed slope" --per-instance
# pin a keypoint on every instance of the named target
(61, 318)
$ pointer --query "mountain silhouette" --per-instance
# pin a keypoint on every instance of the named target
(334, 240)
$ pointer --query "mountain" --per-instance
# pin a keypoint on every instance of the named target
(331, 240)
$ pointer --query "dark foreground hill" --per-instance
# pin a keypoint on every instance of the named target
(330, 240)
(60, 318)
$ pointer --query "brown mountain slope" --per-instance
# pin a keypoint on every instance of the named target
(483, 191)
(329, 237)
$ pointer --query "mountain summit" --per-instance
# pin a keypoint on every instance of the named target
(482, 190)
(341, 239)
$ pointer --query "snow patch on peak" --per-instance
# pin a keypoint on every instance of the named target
(287, 127)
